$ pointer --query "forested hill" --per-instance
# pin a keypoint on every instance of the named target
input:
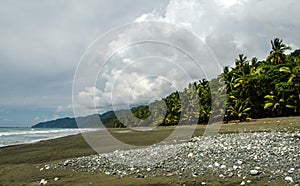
(91, 121)
(252, 89)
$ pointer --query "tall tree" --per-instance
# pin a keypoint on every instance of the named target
(277, 55)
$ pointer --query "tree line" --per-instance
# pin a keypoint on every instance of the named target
(250, 89)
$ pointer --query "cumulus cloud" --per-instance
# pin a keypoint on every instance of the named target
(230, 27)
(227, 27)
(41, 43)
(143, 62)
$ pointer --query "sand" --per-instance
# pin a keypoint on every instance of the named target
(21, 164)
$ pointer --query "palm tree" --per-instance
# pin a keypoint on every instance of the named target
(275, 103)
(242, 64)
(238, 108)
(294, 84)
(277, 55)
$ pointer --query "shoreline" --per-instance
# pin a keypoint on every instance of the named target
(61, 132)
(21, 164)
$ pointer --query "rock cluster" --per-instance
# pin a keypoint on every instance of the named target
(271, 155)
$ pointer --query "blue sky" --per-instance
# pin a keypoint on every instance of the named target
(41, 43)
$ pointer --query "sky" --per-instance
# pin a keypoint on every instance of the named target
(46, 47)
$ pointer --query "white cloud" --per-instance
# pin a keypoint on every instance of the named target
(42, 42)
(61, 108)
(228, 27)
(43, 118)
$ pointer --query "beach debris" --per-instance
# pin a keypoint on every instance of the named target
(43, 182)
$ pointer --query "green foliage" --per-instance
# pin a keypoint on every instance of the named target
(277, 55)
(252, 88)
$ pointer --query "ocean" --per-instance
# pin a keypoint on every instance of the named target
(14, 136)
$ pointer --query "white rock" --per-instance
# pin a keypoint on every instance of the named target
(243, 183)
(235, 167)
(289, 179)
(43, 182)
(197, 138)
(221, 176)
(66, 162)
(254, 172)
(203, 183)
(239, 162)
(56, 179)
(291, 170)
(148, 169)
(190, 155)
(223, 167)
(248, 181)
(41, 169)
(169, 174)
(216, 164)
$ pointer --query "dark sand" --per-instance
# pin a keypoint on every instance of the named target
(20, 164)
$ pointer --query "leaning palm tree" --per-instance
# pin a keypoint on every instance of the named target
(277, 55)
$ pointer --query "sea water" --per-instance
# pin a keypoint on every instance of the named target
(14, 136)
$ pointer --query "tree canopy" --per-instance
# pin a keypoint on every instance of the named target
(253, 89)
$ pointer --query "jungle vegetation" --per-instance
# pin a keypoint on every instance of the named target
(250, 89)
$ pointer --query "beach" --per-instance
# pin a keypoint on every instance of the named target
(26, 164)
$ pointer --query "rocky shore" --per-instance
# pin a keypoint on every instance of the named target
(250, 156)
